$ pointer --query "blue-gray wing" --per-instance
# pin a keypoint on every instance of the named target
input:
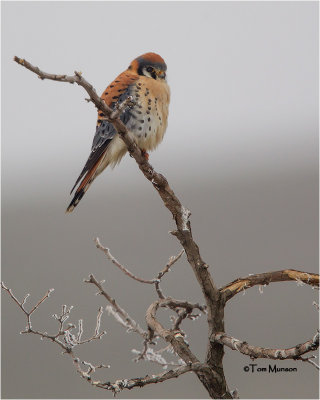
(105, 132)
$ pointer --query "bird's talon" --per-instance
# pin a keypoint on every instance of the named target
(145, 154)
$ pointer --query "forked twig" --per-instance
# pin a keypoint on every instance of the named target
(155, 281)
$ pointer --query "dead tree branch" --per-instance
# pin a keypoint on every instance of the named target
(155, 281)
(209, 378)
(70, 341)
(121, 384)
(293, 353)
(21, 304)
(240, 284)
(120, 266)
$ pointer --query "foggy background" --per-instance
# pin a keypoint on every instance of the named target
(241, 152)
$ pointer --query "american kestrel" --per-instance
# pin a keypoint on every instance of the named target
(146, 120)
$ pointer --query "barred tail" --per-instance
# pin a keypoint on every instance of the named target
(78, 196)
(83, 187)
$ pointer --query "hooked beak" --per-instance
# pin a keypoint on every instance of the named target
(161, 74)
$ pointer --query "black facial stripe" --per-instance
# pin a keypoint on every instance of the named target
(144, 64)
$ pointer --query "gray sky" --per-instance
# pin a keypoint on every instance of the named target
(244, 74)
(241, 151)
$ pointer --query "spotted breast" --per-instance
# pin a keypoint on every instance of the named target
(145, 81)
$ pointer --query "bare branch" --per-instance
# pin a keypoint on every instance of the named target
(176, 305)
(120, 266)
(96, 331)
(80, 330)
(261, 352)
(176, 340)
(121, 384)
(76, 78)
(170, 263)
(96, 335)
(153, 356)
(210, 378)
(309, 360)
(40, 301)
(155, 281)
(29, 329)
(22, 303)
(240, 284)
(129, 322)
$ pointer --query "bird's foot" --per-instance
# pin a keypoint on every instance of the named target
(145, 154)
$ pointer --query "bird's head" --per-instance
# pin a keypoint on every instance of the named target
(150, 65)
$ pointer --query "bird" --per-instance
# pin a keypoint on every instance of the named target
(146, 120)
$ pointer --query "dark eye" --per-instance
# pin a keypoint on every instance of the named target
(149, 69)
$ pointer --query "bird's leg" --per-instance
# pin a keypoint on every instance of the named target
(145, 154)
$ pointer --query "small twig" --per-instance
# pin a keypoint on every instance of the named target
(141, 354)
(62, 318)
(170, 263)
(76, 78)
(174, 303)
(126, 271)
(22, 303)
(80, 329)
(312, 363)
(182, 315)
(122, 314)
(25, 299)
(96, 331)
(309, 360)
(97, 334)
(41, 301)
(120, 266)
(148, 354)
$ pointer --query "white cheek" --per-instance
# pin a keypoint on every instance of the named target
(146, 73)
